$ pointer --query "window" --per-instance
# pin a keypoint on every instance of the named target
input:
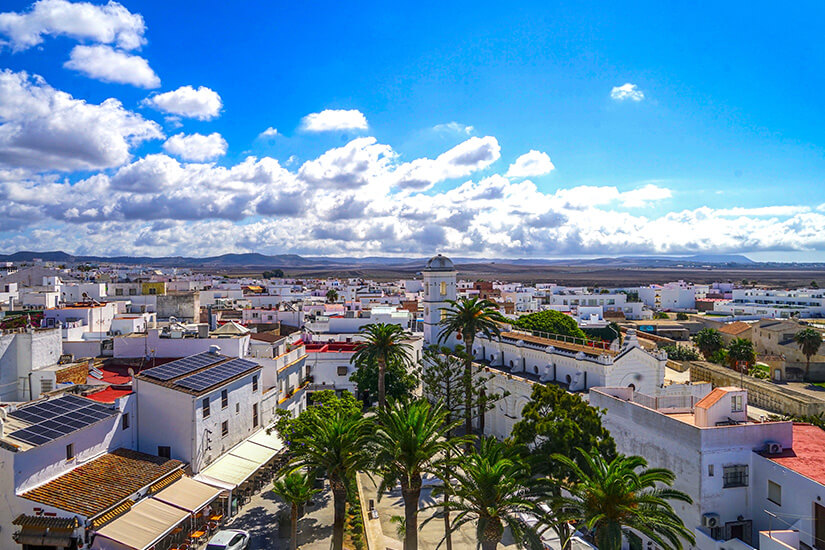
(224, 399)
(736, 403)
(224, 428)
(206, 407)
(255, 383)
(70, 451)
(153, 291)
(342, 371)
(443, 288)
(118, 292)
(237, 408)
(132, 291)
(164, 451)
(710, 470)
(254, 415)
(775, 493)
(125, 421)
(735, 476)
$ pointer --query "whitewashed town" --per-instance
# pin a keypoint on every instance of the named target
(157, 407)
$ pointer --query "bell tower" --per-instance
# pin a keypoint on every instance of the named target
(439, 286)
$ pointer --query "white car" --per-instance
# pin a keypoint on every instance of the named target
(229, 539)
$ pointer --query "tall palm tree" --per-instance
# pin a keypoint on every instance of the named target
(809, 341)
(468, 317)
(296, 489)
(411, 439)
(494, 491)
(339, 445)
(709, 341)
(623, 493)
(741, 354)
(332, 295)
(383, 343)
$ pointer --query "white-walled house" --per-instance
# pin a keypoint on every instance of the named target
(22, 353)
(158, 343)
(674, 296)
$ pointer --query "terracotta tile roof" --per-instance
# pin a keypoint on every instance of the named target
(268, 336)
(97, 486)
(737, 327)
(712, 398)
(567, 346)
(807, 457)
(49, 522)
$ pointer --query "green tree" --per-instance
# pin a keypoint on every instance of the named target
(611, 495)
(295, 488)
(468, 317)
(741, 355)
(682, 316)
(681, 353)
(809, 341)
(709, 341)
(332, 295)
(383, 344)
(411, 439)
(325, 406)
(551, 321)
(609, 333)
(661, 315)
(443, 381)
(399, 381)
(275, 274)
(339, 446)
(494, 488)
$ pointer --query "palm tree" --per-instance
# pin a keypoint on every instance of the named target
(741, 354)
(494, 490)
(339, 445)
(709, 341)
(296, 489)
(468, 317)
(615, 495)
(411, 439)
(809, 341)
(383, 344)
(332, 295)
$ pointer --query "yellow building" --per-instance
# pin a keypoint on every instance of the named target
(153, 288)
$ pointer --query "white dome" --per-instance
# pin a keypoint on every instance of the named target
(439, 263)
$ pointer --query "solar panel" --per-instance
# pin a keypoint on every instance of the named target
(215, 375)
(57, 417)
(183, 366)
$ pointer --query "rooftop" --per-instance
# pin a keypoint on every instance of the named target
(101, 484)
(594, 350)
(199, 374)
(737, 327)
(806, 456)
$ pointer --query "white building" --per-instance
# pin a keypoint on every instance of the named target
(673, 296)
(23, 353)
(571, 300)
(774, 303)
(711, 447)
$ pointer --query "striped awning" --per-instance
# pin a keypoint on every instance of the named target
(103, 519)
(46, 522)
(166, 482)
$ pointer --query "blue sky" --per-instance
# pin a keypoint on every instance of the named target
(716, 144)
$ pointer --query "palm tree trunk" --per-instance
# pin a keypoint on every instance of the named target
(382, 391)
(411, 494)
(293, 530)
(492, 534)
(468, 387)
(807, 367)
(448, 536)
(339, 501)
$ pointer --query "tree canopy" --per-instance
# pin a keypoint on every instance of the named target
(399, 381)
(325, 405)
(552, 321)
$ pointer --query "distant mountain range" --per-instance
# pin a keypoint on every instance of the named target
(292, 261)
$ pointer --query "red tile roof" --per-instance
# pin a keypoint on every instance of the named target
(737, 327)
(711, 399)
(807, 457)
(96, 486)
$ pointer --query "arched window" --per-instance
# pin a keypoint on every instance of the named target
(535, 370)
(511, 363)
(568, 379)
(632, 386)
(443, 288)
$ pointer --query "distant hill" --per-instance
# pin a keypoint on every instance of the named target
(252, 259)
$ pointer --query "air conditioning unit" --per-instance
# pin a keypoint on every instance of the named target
(773, 447)
(710, 520)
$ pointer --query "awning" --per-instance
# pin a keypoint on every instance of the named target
(230, 470)
(267, 440)
(188, 494)
(254, 452)
(141, 527)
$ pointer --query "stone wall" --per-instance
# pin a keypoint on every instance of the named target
(761, 393)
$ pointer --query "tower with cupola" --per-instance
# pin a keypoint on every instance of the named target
(439, 286)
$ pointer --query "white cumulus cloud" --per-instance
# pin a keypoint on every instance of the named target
(334, 119)
(533, 163)
(269, 133)
(454, 128)
(644, 195)
(626, 92)
(46, 129)
(110, 65)
(462, 160)
(202, 103)
(196, 147)
(110, 23)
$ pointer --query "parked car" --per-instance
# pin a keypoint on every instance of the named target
(229, 539)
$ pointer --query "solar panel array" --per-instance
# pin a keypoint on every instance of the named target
(57, 417)
(183, 366)
(215, 375)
